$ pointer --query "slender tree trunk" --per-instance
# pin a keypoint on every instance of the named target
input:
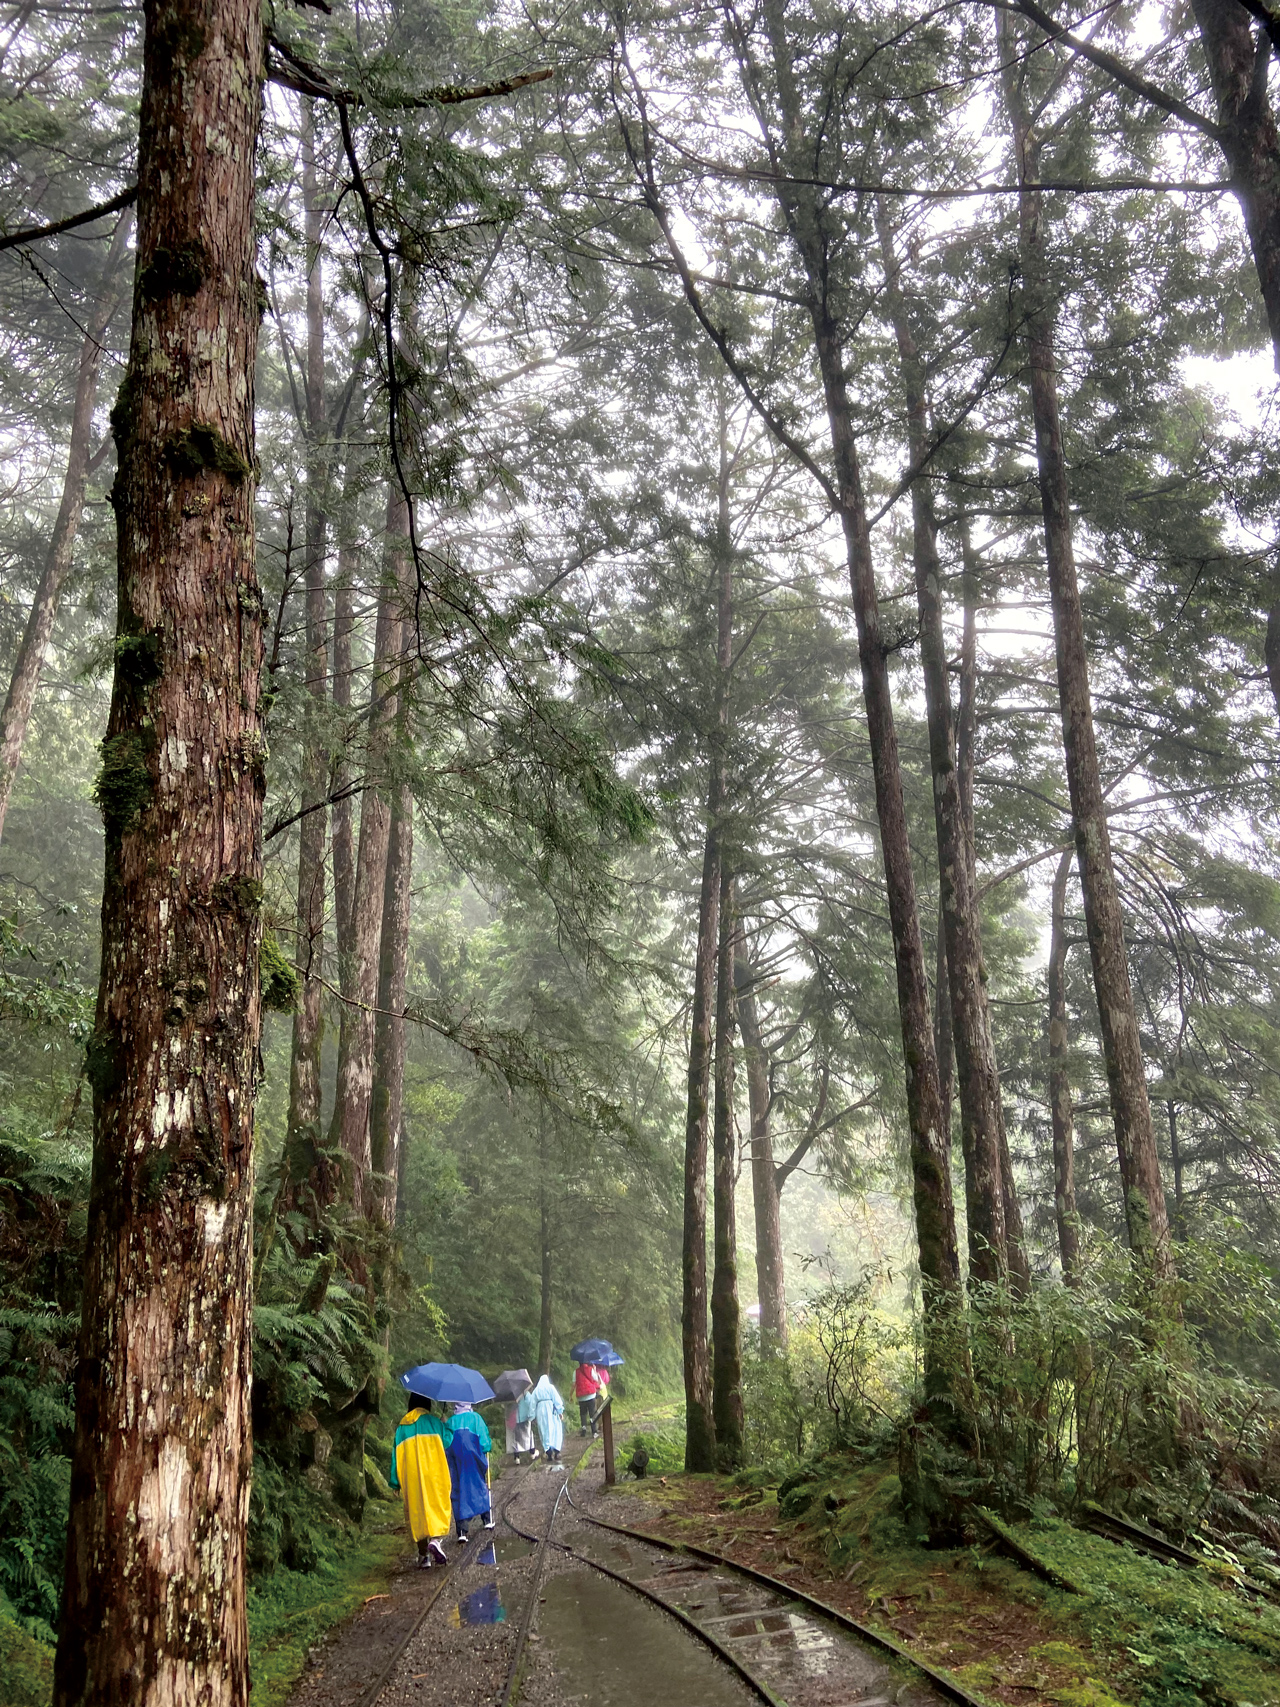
(38, 632)
(1146, 1214)
(544, 1230)
(1060, 1111)
(943, 1030)
(966, 761)
(302, 1140)
(977, 1075)
(354, 1095)
(343, 818)
(343, 839)
(726, 1327)
(770, 1281)
(945, 1359)
(153, 1608)
(700, 1443)
(393, 968)
(699, 1451)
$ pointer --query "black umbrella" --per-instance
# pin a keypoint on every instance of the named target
(512, 1383)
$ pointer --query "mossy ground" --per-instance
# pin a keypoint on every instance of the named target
(1142, 1634)
(290, 1610)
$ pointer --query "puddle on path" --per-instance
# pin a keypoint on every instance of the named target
(614, 1650)
(513, 1547)
(770, 1632)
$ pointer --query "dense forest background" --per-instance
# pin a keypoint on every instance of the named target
(579, 400)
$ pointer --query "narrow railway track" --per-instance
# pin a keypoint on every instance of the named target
(449, 1577)
(760, 1627)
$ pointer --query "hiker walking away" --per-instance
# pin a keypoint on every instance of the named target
(588, 1390)
(468, 1456)
(420, 1470)
(520, 1432)
(549, 1416)
(526, 1416)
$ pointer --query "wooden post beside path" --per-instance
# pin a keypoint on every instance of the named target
(606, 1428)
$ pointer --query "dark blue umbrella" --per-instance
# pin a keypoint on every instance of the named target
(452, 1382)
(595, 1351)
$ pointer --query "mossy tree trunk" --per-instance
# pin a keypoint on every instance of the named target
(154, 1602)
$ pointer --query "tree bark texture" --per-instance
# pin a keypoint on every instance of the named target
(154, 1602)
(977, 1075)
(303, 1155)
(1060, 1110)
(1146, 1215)
(38, 632)
(350, 1129)
(726, 1325)
(766, 1198)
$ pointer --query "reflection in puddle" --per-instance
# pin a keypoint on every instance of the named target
(483, 1606)
(612, 1650)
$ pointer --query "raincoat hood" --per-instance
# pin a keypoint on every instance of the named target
(459, 1408)
(544, 1389)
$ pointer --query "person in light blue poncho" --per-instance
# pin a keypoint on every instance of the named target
(548, 1413)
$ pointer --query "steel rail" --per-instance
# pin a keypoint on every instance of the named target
(943, 1681)
(450, 1573)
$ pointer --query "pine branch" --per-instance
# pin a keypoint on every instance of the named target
(33, 233)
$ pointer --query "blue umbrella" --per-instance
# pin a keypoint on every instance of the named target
(452, 1382)
(595, 1351)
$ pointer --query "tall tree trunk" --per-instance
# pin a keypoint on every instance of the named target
(544, 1243)
(1146, 1215)
(393, 968)
(726, 1327)
(944, 1041)
(343, 840)
(966, 762)
(153, 1608)
(699, 1448)
(57, 563)
(977, 1075)
(700, 1442)
(770, 1280)
(354, 1094)
(1060, 1111)
(302, 1140)
(945, 1364)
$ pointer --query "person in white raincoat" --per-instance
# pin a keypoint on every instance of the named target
(549, 1416)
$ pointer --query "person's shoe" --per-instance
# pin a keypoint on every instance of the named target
(489, 1523)
(425, 1561)
(436, 1554)
(463, 1539)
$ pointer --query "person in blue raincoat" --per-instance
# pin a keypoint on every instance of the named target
(468, 1456)
(549, 1416)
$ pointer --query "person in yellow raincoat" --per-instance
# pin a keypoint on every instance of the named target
(420, 1470)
